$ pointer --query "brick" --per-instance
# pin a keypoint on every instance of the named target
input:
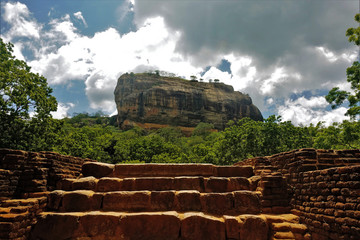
(86, 183)
(350, 206)
(339, 213)
(162, 200)
(238, 183)
(234, 171)
(247, 202)
(217, 203)
(162, 170)
(97, 169)
(189, 183)
(107, 184)
(280, 210)
(266, 203)
(55, 199)
(147, 226)
(50, 225)
(127, 201)
(65, 184)
(216, 184)
(196, 226)
(232, 226)
(253, 227)
(340, 206)
(96, 224)
(329, 211)
(81, 200)
(152, 184)
(188, 201)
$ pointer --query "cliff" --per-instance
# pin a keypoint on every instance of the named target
(149, 98)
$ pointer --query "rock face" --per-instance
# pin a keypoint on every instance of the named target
(149, 98)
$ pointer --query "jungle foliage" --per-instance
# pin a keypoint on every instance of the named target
(95, 138)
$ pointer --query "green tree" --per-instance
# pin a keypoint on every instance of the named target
(203, 129)
(350, 134)
(25, 102)
(354, 33)
(329, 137)
(240, 141)
(271, 131)
(170, 134)
(293, 137)
(193, 78)
(336, 97)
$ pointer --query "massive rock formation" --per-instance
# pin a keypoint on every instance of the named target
(150, 98)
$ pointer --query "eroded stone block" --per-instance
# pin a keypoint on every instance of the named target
(197, 226)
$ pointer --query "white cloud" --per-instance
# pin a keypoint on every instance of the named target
(63, 29)
(313, 102)
(22, 24)
(62, 110)
(65, 55)
(214, 73)
(348, 55)
(289, 54)
(243, 71)
(306, 111)
(100, 91)
(79, 16)
(270, 101)
(277, 78)
(327, 53)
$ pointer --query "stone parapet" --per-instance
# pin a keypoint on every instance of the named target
(198, 183)
(100, 170)
(23, 172)
(302, 160)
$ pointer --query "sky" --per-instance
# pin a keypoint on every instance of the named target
(286, 54)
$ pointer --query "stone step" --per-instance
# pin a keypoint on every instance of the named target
(287, 227)
(100, 170)
(231, 203)
(31, 202)
(169, 225)
(201, 184)
(287, 230)
(18, 215)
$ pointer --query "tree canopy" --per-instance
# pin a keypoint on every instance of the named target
(96, 138)
(25, 102)
(336, 97)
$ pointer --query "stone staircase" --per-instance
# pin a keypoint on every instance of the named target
(162, 201)
(18, 215)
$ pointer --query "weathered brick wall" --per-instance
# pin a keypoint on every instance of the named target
(303, 160)
(23, 172)
(8, 183)
(322, 187)
(328, 201)
(275, 194)
(17, 216)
